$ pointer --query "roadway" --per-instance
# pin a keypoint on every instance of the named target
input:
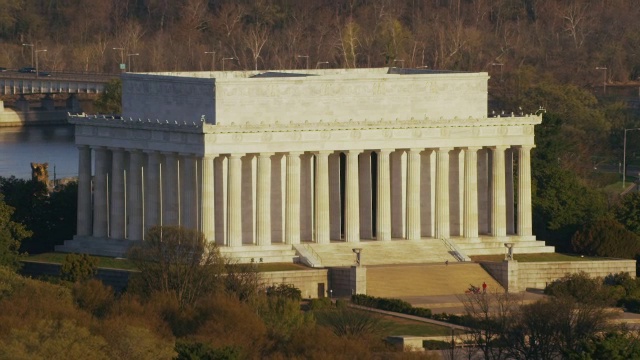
(14, 82)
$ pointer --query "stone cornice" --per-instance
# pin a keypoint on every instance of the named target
(130, 123)
(374, 125)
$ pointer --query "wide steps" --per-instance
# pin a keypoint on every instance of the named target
(488, 247)
(383, 253)
(261, 254)
(427, 279)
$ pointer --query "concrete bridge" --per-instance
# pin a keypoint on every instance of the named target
(13, 82)
(23, 112)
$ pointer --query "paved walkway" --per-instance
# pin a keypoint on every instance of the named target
(452, 304)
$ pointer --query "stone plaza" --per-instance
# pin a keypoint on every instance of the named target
(298, 162)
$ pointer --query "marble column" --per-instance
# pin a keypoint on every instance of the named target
(322, 198)
(170, 190)
(84, 227)
(498, 201)
(509, 193)
(117, 210)
(189, 191)
(234, 227)
(263, 206)
(524, 191)
(413, 194)
(101, 194)
(352, 201)
(208, 198)
(383, 223)
(292, 205)
(152, 192)
(335, 197)
(442, 226)
(365, 187)
(470, 216)
(135, 195)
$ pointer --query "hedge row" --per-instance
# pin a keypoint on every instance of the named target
(394, 305)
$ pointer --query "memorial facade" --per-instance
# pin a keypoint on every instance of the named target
(256, 159)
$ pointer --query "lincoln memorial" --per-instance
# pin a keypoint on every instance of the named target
(299, 161)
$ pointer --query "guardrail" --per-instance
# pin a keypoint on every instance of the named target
(455, 251)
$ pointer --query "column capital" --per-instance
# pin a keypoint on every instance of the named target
(210, 156)
(499, 147)
(353, 151)
(323, 152)
(266, 154)
(527, 146)
(387, 151)
(294, 153)
(416, 150)
(473, 148)
(445, 149)
(236, 155)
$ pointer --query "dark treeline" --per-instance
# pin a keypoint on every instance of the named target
(566, 38)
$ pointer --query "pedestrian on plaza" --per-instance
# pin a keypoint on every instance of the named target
(484, 287)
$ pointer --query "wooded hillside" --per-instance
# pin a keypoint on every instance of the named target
(567, 38)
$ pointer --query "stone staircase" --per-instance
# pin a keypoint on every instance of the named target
(427, 279)
(93, 246)
(489, 246)
(378, 253)
(261, 254)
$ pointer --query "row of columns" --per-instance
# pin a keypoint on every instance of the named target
(133, 190)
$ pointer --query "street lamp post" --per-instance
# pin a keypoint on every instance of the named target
(624, 156)
(604, 78)
(129, 60)
(320, 63)
(227, 58)
(37, 70)
(306, 57)
(121, 56)
(213, 59)
(32, 50)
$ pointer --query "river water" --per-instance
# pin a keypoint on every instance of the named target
(53, 144)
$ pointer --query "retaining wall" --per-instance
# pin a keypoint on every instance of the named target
(517, 276)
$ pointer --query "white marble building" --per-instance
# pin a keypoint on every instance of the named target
(264, 160)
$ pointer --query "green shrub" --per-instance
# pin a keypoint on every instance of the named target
(630, 304)
(319, 304)
(288, 291)
(78, 267)
(394, 305)
(200, 351)
(436, 345)
(582, 288)
(341, 304)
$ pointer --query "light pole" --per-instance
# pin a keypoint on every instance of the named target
(624, 156)
(227, 58)
(320, 63)
(604, 78)
(32, 50)
(304, 56)
(213, 59)
(129, 61)
(37, 51)
(501, 65)
(121, 56)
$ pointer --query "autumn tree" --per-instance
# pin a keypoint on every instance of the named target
(11, 235)
(178, 262)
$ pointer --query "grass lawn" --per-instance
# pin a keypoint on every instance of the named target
(616, 188)
(544, 257)
(125, 264)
